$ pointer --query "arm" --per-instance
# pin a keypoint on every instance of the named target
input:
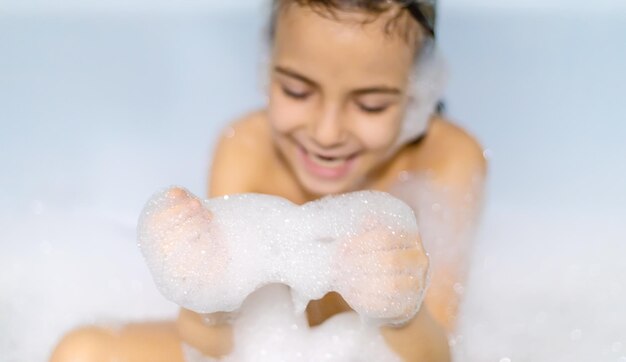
(239, 158)
(421, 340)
(445, 193)
(231, 172)
(448, 207)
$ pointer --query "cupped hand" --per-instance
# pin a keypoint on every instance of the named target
(182, 245)
(382, 271)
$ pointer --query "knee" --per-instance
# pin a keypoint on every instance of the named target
(87, 344)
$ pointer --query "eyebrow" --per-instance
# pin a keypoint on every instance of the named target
(292, 74)
(382, 89)
(362, 91)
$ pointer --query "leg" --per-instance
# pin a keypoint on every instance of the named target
(144, 342)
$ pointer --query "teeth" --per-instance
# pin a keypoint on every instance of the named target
(326, 162)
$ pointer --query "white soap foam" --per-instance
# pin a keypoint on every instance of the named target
(267, 329)
(211, 256)
(426, 88)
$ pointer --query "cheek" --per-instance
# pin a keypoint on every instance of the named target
(379, 135)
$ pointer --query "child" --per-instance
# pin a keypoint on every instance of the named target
(343, 114)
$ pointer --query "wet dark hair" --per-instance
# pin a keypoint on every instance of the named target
(422, 11)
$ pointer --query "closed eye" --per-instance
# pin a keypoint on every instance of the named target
(372, 109)
(295, 95)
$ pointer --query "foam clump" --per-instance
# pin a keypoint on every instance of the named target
(268, 330)
(209, 256)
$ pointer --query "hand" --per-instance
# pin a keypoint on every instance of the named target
(182, 246)
(382, 272)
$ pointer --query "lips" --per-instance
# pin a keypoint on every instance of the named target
(329, 162)
(325, 166)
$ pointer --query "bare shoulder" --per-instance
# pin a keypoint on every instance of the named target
(250, 131)
(243, 150)
(450, 152)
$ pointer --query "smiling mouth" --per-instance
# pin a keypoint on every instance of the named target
(326, 166)
(329, 162)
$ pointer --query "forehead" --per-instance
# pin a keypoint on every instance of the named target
(342, 45)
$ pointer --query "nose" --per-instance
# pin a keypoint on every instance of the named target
(328, 129)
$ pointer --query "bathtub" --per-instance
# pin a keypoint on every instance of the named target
(98, 109)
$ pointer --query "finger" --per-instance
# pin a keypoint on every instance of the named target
(184, 214)
(381, 307)
(408, 261)
(389, 285)
(380, 240)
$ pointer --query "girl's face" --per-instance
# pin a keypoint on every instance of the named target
(338, 92)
